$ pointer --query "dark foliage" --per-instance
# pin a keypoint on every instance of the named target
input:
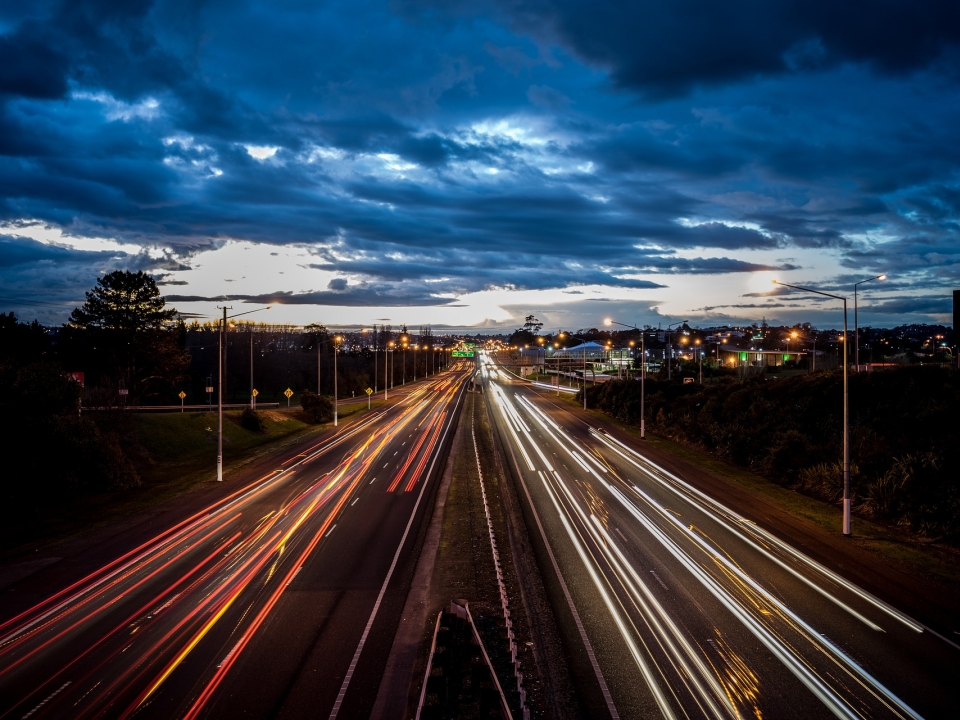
(124, 335)
(52, 452)
(250, 420)
(319, 408)
(905, 438)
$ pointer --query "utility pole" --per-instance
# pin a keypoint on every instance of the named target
(223, 328)
(846, 406)
(336, 348)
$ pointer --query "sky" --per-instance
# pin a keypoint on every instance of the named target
(465, 164)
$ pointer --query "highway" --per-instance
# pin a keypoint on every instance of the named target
(279, 599)
(672, 605)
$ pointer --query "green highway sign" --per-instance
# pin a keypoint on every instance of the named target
(462, 353)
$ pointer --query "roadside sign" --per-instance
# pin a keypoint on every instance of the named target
(369, 391)
(209, 389)
(124, 391)
(182, 395)
(255, 392)
(288, 392)
(462, 353)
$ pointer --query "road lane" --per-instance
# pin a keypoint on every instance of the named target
(254, 606)
(693, 610)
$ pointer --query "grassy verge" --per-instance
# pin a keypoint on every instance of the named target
(888, 542)
(178, 454)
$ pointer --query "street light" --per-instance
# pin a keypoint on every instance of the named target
(386, 368)
(336, 351)
(846, 407)
(700, 358)
(670, 344)
(223, 329)
(856, 320)
(577, 337)
(643, 368)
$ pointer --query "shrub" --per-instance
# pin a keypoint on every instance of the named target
(904, 437)
(319, 408)
(250, 420)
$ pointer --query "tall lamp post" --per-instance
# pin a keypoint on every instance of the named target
(846, 407)
(223, 329)
(643, 364)
(700, 358)
(577, 337)
(856, 320)
(386, 369)
(670, 334)
(336, 351)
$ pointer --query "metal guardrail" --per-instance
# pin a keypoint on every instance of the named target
(171, 408)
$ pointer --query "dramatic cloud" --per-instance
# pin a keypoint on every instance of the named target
(465, 158)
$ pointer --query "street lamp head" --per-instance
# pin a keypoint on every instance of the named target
(608, 321)
(881, 277)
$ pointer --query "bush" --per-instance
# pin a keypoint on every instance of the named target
(55, 453)
(904, 437)
(250, 420)
(318, 408)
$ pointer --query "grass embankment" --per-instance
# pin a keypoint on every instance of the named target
(889, 542)
(174, 453)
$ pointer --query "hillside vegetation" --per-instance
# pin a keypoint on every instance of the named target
(905, 435)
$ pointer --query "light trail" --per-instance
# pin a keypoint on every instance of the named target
(213, 579)
(842, 686)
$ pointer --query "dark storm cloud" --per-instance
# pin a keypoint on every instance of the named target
(667, 48)
(508, 144)
(367, 294)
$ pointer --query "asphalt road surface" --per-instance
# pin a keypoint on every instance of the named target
(674, 606)
(280, 599)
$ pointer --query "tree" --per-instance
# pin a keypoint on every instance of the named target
(131, 335)
(125, 301)
(532, 325)
(526, 335)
